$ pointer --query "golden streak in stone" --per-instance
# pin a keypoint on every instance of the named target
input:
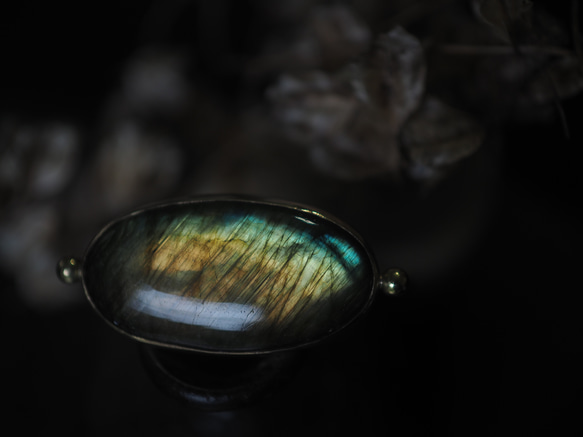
(275, 275)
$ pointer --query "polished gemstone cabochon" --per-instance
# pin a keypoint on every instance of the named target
(228, 275)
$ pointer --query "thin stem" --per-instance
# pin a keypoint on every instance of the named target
(557, 102)
(575, 29)
(494, 50)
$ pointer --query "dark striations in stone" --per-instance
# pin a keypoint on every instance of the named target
(228, 275)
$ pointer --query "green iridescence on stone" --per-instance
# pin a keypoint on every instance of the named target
(228, 276)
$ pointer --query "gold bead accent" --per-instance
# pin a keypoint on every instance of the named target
(393, 282)
(69, 270)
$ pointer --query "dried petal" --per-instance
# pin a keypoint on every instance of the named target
(37, 159)
(350, 121)
(438, 136)
(504, 16)
(394, 75)
(560, 79)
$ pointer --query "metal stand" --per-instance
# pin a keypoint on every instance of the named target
(215, 383)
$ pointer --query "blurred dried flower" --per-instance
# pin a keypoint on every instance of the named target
(349, 121)
(339, 35)
(394, 76)
(37, 160)
(436, 137)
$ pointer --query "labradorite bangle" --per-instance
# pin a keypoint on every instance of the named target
(230, 276)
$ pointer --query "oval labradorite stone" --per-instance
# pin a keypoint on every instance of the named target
(228, 275)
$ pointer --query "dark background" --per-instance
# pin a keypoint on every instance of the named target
(490, 347)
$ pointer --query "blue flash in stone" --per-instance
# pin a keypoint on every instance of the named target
(229, 275)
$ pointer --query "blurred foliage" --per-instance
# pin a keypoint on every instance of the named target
(292, 99)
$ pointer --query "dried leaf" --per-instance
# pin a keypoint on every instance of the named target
(326, 115)
(438, 136)
(561, 79)
(394, 75)
(504, 16)
(340, 35)
(350, 121)
(36, 159)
